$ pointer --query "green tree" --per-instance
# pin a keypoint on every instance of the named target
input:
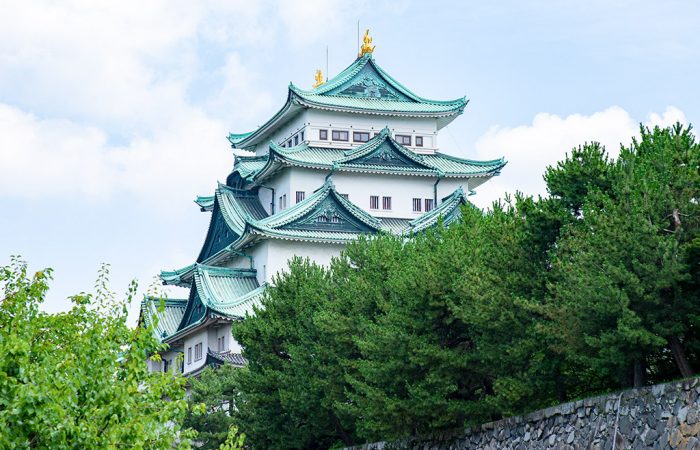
(79, 379)
(215, 389)
(622, 288)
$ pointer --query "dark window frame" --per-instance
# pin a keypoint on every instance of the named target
(403, 139)
(336, 135)
(417, 204)
(373, 202)
(429, 204)
(386, 203)
(357, 136)
(300, 196)
(419, 141)
(322, 135)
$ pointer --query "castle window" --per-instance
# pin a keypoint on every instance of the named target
(322, 135)
(340, 135)
(321, 219)
(189, 355)
(289, 143)
(335, 219)
(419, 141)
(403, 139)
(429, 204)
(360, 136)
(301, 195)
(416, 204)
(386, 203)
(373, 202)
(302, 135)
(198, 352)
(296, 140)
(166, 365)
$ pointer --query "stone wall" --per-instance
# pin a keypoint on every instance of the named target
(665, 416)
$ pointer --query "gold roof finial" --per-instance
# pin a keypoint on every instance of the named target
(367, 46)
(318, 78)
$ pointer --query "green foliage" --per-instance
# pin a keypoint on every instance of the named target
(214, 389)
(79, 379)
(534, 302)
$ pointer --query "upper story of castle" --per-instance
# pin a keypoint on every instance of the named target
(349, 109)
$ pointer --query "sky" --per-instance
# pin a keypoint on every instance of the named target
(113, 115)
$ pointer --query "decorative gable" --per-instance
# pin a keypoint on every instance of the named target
(368, 83)
(329, 215)
(218, 237)
(386, 154)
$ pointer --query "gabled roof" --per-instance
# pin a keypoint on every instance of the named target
(168, 318)
(448, 211)
(363, 87)
(381, 154)
(324, 216)
(219, 292)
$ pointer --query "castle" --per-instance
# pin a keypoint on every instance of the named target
(356, 154)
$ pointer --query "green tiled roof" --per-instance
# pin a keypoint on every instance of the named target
(248, 166)
(239, 207)
(448, 210)
(381, 154)
(363, 87)
(168, 319)
(178, 277)
(229, 292)
(206, 203)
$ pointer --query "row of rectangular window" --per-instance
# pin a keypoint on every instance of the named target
(374, 202)
(429, 204)
(299, 137)
(197, 353)
(363, 136)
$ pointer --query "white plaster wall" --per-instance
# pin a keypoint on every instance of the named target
(192, 340)
(222, 330)
(283, 133)
(281, 183)
(414, 126)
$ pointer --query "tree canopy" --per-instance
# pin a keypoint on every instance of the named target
(532, 302)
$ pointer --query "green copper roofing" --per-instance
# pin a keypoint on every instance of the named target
(205, 203)
(249, 165)
(448, 210)
(381, 154)
(178, 277)
(168, 318)
(323, 216)
(234, 138)
(220, 292)
(363, 87)
(239, 207)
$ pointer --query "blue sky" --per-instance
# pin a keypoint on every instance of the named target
(113, 117)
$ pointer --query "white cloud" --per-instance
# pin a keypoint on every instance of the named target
(529, 149)
(64, 158)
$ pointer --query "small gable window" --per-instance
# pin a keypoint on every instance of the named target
(360, 136)
(322, 135)
(429, 204)
(289, 143)
(386, 203)
(296, 140)
(340, 135)
(301, 195)
(322, 219)
(335, 219)
(374, 202)
(416, 204)
(403, 139)
(302, 135)
(419, 141)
